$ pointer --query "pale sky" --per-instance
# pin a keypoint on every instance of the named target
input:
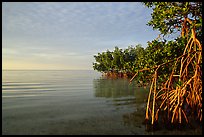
(66, 35)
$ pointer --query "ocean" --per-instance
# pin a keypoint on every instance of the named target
(73, 102)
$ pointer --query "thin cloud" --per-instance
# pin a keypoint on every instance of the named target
(67, 31)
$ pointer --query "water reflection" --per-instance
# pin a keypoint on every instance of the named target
(117, 88)
(120, 90)
(122, 93)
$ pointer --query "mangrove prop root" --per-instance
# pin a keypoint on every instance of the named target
(182, 102)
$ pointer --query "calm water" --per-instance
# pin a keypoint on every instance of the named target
(72, 102)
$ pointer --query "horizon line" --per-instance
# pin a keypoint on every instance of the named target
(42, 69)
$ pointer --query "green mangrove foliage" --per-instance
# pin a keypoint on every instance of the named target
(159, 52)
(170, 17)
(125, 63)
(119, 63)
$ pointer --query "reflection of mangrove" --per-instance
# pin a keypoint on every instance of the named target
(115, 88)
(122, 92)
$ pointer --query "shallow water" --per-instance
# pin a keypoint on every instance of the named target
(73, 102)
